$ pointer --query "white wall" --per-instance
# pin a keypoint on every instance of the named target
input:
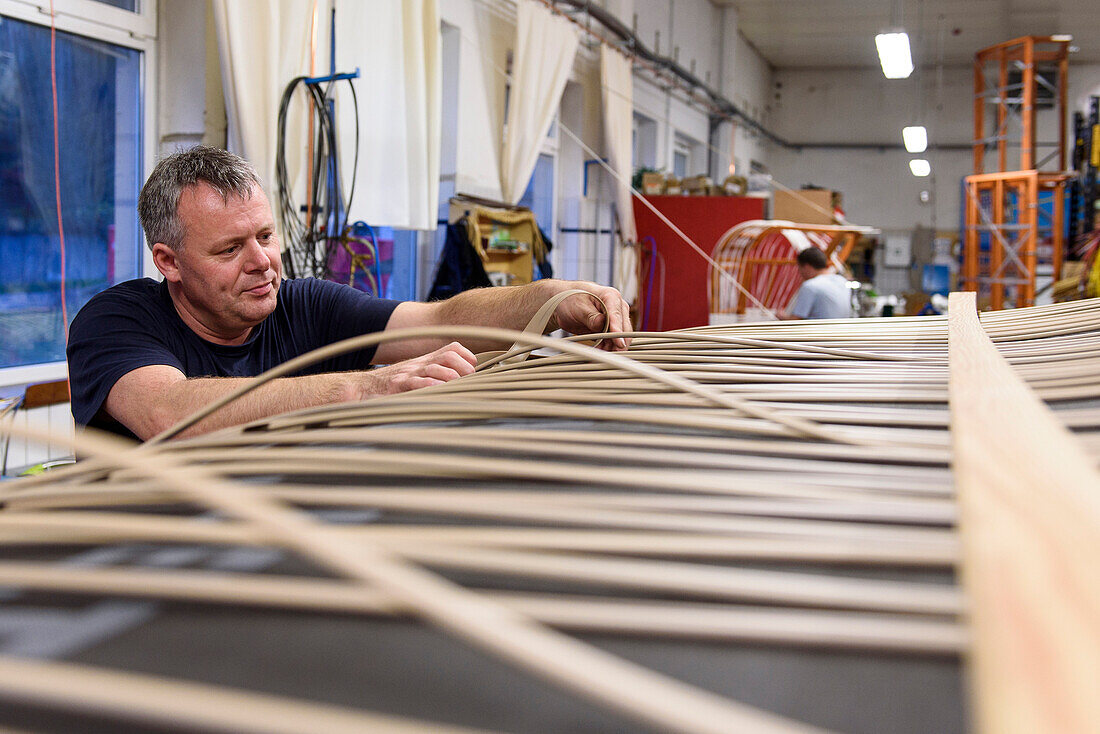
(878, 189)
(1084, 81)
(687, 31)
(861, 106)
(745, 80)
(690, 31)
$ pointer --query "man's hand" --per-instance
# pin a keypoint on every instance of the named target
(582, 315)
(150, 399)
(508, 307)
(442, 365)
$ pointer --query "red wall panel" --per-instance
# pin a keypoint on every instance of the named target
(704, 219)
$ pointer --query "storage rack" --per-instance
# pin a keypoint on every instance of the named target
(1015, 220)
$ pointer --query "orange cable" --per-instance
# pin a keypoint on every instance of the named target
(57, 167)
(312, 73)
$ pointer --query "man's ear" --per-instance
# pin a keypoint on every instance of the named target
(167, 262)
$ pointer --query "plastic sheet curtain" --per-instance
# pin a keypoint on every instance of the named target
(545, 47)
(263, 45)
(617, 92)
(396, 46)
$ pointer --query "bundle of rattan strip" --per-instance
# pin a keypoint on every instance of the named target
(799, 524)
(648, 499)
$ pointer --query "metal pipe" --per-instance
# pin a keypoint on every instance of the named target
(722, 107)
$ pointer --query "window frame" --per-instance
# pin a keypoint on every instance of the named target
(101, 22)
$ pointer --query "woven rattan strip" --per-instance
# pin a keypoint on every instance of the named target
(645, 490)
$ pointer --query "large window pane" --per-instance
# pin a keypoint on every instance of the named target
(99, 114)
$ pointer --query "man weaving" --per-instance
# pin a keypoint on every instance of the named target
(143, 355)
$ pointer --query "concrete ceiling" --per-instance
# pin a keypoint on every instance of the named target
(840, 33)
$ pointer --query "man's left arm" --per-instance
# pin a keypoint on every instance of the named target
(510, 307)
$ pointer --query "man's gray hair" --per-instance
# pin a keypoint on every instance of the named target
(226, 173)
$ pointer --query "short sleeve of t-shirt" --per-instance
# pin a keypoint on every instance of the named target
(118, 331)
(315, 313)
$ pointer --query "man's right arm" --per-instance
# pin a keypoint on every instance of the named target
(151, 399)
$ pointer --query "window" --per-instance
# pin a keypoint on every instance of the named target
(685, 155)
(679, 163)
(645, 142)
(100, 121)
(398, 263)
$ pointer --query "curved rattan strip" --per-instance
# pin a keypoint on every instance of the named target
(539, 324)
(799, 426)
(185, 705)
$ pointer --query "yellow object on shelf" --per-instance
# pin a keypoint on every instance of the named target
(508, 241)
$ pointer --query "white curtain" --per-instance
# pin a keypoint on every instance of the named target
(617, 91)
(396, 46)
(262, 45)
(543, 57)
(484, 39)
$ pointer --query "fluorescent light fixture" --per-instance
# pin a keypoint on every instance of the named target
(915, 137)
(894, 55)
(920, 167)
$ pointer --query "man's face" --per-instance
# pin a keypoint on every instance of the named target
(806, 271)
(225, 277)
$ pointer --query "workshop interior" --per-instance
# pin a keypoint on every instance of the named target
(761, 516)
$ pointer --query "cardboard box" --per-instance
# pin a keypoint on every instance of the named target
(697, 185)
(653, 183)
(1072, 269)
(805, 206)
(914, 302)
(1069, 286)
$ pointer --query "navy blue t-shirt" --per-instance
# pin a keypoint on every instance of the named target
(134, 324)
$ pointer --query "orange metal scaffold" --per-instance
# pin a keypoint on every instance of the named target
(1015, 210)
